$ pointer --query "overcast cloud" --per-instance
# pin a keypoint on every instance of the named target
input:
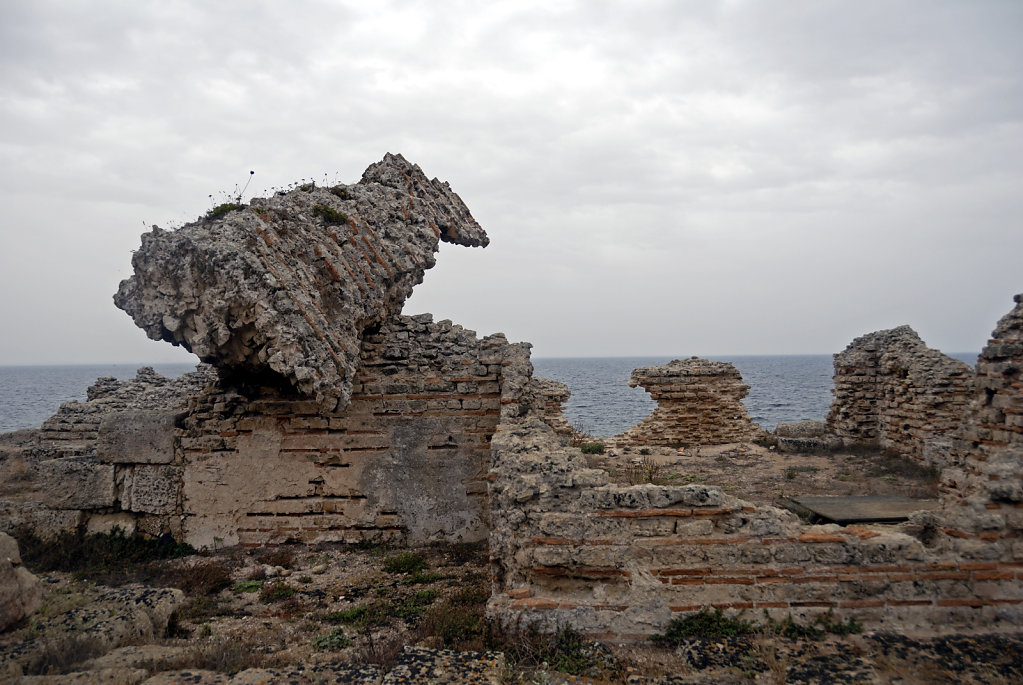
(662, 178)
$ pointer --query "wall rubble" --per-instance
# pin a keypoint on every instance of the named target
(890, 388)
(699, 402)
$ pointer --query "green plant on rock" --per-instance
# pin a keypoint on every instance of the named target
(332, 641)
(705, 624)
(330, 215)
(222, 210)
(592, 448)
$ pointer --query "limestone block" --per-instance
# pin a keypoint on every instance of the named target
(21, 593)
(152, 489)
(105, 523)
(77, 483)
(136, 437)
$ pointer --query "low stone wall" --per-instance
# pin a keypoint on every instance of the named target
(699, 402)
(890, 388)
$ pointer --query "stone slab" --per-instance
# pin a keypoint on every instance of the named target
(863, 509)
(137, 437)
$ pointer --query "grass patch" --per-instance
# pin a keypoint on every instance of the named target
(423, 578)
(592, 448)
(277, 557)
(250, 585)
(405, 562)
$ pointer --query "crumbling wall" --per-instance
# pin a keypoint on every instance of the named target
(985, 483)
(890, 388)
(620, 562)
(256, 464)
(407, 459)
(699, 402)
(552, 395)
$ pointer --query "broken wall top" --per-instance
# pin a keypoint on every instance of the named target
(285, 286)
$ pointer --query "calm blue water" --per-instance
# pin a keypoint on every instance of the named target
(783, 388)
(31, 394)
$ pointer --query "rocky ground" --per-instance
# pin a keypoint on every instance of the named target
(375, 614)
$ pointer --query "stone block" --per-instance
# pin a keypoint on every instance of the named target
(152, 489)
(136, 437)
(105, 523)
(21, 592)
(77, 483)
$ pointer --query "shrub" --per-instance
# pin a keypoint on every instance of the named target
(703, 624)
(203, 578)
(222, 210)
(276, 592)
(333, 641)
(250, 585)
(330, 215)
(113, 558)
(592, 448)
(404, 562)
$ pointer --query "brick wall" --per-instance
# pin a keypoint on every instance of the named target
(699, 402)
(890, 388)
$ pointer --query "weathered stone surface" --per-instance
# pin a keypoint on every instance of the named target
(553, 395)
(151, 489)
(289, 283)
(890, 388)
(77, 483)
(137, 437)
(699, 402)
(20, 592)
(805, 436)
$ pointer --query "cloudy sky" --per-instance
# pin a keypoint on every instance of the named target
(663, 178)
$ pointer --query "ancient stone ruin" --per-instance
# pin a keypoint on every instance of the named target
(570, 547)
(328, 416)
(893, 390)
(699, 402)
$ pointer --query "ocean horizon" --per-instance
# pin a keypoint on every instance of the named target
(783, 388)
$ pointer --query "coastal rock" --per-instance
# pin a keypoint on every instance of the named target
(20, 592)
(283, 289)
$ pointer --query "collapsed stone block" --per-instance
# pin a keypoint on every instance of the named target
(283, 288)
(77, 483)
(699, 402)
(21, 593)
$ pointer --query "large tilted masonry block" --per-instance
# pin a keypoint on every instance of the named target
(137, 437)
(77, 483)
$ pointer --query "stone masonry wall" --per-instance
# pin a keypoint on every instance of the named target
(568, 547)
(699, 402)
(552, 395)
(986, 480)
(407, 459)
(260, 464)
(892, 389)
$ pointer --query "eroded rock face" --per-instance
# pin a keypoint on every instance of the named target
(20, 592)
(288, 284)
(699, 402)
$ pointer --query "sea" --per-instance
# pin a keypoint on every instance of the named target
(783, 388)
